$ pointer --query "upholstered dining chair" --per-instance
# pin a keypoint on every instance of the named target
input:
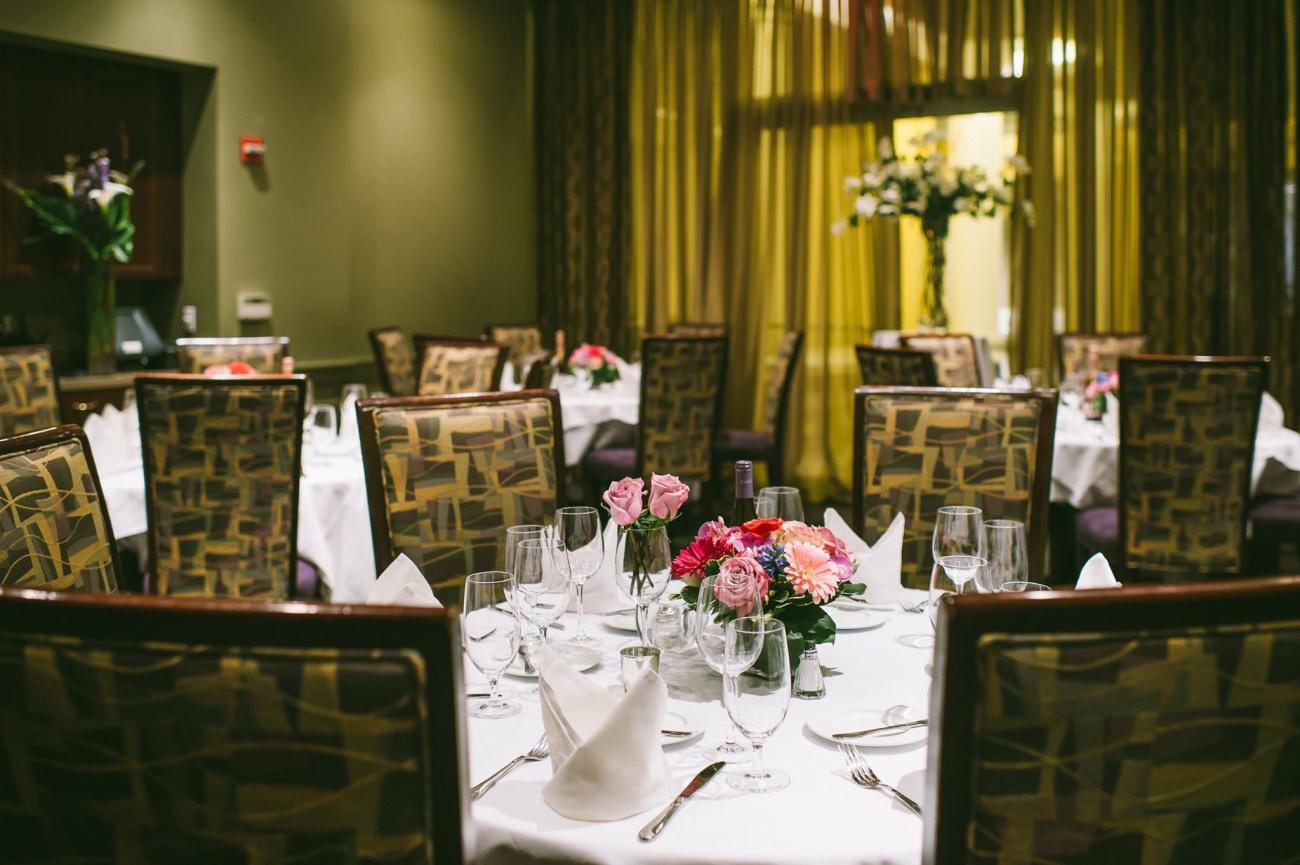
(524, 342)
(449, 365)
(394, 359)
(681, 400)
(956, 360)
(918, 449)
(1186, 445)
(222, 462)
(1072, 350)
(29, 389)
(265, 354)
(767, 444)
(698, 328)
(1148, 724)
(898, 367)
(204, 732)
(1274, 524)
(55, 533)
(447, 475)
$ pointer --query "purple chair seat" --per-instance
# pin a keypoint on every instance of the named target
(1097, 531)
(742, 444)
(604, 465)
(1276, 521)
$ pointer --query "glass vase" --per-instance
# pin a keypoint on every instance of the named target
(643, 567)
(101, 320)
(933, 312)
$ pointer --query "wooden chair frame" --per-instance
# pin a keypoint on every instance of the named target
(926, 359)
(177, 380)
(964, 619)
(431, 632)
(380, 532)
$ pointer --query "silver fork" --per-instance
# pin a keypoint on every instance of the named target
(918, 607)
(863, 776)
(540, 751)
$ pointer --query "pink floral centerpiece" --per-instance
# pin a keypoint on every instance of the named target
(1094, 393)
(599, 362)
(235, 367)
(796, 567)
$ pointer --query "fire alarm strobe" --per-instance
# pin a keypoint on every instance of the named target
(252, 149)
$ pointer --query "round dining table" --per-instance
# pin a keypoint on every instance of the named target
(821, 817)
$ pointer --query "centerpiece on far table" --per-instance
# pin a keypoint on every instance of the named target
(1094, 393)
(600, 363)
(926, 187)
(92, 204)
(797, 568)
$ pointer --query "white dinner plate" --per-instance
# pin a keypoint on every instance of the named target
(580, 658)
(860, 619)
(826, 726)
(678, 721)
(620, 620)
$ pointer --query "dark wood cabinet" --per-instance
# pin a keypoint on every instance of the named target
(53, 103)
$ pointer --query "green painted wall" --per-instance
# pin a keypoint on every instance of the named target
(397, 186)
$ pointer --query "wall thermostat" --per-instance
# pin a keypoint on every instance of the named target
(253, 306)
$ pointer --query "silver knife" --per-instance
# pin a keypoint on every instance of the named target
(857, 733)
(655, 826)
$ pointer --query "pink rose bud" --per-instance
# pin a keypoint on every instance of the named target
(624, 500)
(667, 495)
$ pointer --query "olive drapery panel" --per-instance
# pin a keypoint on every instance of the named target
(581, 70)
(1079, 132)
(1214, 159)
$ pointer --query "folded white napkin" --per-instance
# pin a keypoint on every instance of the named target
(402, 583)
(881, 566)
(1271, 415)
(1110, 420)
(1096, 574)
(606, 756)
(109, 435)
(600, 595)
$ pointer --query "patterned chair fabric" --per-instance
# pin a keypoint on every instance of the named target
(1187, 442)
(896, 367)
(146, 750)
(55, 532)
(29, 393)
(955, 362)
(698, 328)
(463, 368)
(222, 460)
(447, 476)
(916, 450)
(523, 340)
(264, 354)
(395, 359)
(1148, 746)
(779, 379)
(681, 396)
(1073, 349)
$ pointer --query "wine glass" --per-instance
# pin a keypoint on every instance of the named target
(756, 685)
(783, 502)
(515, 534)
(711, 637)
(1008, 562)
(960, 551)
(643, 568)
(1023, 586)
(583, 549)
(322, 427)
(490, 633)
(541, 590)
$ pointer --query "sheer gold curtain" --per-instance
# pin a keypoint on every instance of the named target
(741, 138)
(1079, 253)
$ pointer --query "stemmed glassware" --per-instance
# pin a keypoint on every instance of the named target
(960, 552)
(541, 590)
(490, 633)
(756, 682)
(583, 550)
(1008, 562)
(783, 502)
(711, 637)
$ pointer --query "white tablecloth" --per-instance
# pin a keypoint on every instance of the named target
(1085, 461)
(822, 817)
(597, 417)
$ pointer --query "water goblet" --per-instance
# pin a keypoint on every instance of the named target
(541, 590)
(1007, 560)
(490, 634)
(712, 616)
(578, 530)
(757, 686)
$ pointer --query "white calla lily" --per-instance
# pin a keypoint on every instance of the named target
(111, 190)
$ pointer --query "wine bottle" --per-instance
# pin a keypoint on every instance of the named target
(742, 511)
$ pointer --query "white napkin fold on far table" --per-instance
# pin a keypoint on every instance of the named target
(402, 583)
(1271, 415)
(114, 438)
(600, 595)
(1097, 574)
(879, 566)
(606, 756)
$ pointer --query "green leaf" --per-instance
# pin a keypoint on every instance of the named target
(853, 588)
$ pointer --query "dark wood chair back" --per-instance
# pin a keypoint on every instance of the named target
(682, 381)
(29, 389)
(216, 731)
(265, 354)
(1152, 724)
(394, 359)
(222, 463)
(55, 533)
(918, 449)
(896, 367)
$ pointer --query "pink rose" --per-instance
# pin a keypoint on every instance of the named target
(739, 579)
(667, 495)
(624, 500)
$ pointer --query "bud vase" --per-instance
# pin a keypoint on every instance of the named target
(101, 320)
(643, 567)
(933, 312)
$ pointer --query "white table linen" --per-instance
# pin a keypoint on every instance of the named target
(821, 817)
(597, 417)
